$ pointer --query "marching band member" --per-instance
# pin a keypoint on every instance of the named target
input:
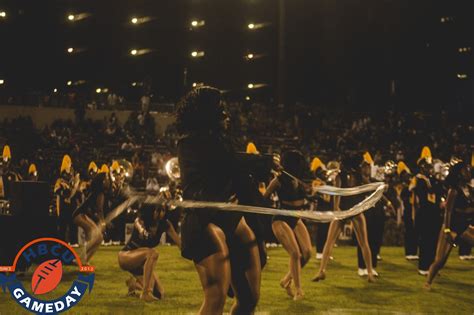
(7, 174)
(65, 189)
(215, 241)
(324, 203)
(32, 172)
(349, 177)
(115, 197)
(427, 219)
(291, 232)
(408, 210)
(458, 218)
(139, 256)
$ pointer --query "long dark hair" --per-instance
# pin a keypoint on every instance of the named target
(146, 214)
(294, 163)
(454, 177)
(200, 110)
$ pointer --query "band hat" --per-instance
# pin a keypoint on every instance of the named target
(425, 156)
(251, 148)
(66, 164)
(402, 167)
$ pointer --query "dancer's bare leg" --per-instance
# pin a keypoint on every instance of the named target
(146, 257)
(287, 238)
(214, 274)
(93, 234)
(246, 283)
(335, 229)
(360, 229)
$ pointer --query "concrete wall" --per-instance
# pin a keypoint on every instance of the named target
(43, 116)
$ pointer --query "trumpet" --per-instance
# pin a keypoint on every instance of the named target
(172, 169)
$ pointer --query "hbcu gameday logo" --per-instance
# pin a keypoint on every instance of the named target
(50, 254)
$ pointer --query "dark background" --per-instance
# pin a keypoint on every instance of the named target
(338, 52)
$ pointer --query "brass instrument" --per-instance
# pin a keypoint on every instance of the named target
(172, 169)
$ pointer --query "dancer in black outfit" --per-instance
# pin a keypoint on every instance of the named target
(215, 241)
(458, 218)
(139, 256)
(291, 232)
(349, 177)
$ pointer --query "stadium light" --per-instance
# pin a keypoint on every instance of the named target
(250, 56)
(133, 52)
(70, 50)
(55, 91)
(462, 76)
(69, 83)
(134, 20)
(194, 84)
(3, 14)
(250, 85)
(251, 26)
(71, 17)
(197, 23)
(98, 90)
(197, 54)
(247, 98)
(2, 81)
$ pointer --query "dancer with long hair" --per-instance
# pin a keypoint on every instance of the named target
(353, 172)
(139, 256)
(291, 232)
(221, 245)
(458, 217)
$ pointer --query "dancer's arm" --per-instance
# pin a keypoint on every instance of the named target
(337, 199)
(274, 184)
(449, 207)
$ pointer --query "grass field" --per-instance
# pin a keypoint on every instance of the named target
(398, 290)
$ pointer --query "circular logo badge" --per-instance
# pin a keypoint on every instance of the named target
(50, 256)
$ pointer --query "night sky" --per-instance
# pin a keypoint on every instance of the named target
(343, 52)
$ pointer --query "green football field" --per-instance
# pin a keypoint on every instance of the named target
(398, 289)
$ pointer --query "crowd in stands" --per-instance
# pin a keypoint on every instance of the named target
(316, 132)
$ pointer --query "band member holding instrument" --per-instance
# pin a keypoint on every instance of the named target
(139, 256)
(458, 217)
(427, 219)
(349, 177)
(291, 232)
(215, 241)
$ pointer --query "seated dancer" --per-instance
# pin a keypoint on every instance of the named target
(139, 256)
(349, 177)
(458, 222)
(291, 232)
(221, 244)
